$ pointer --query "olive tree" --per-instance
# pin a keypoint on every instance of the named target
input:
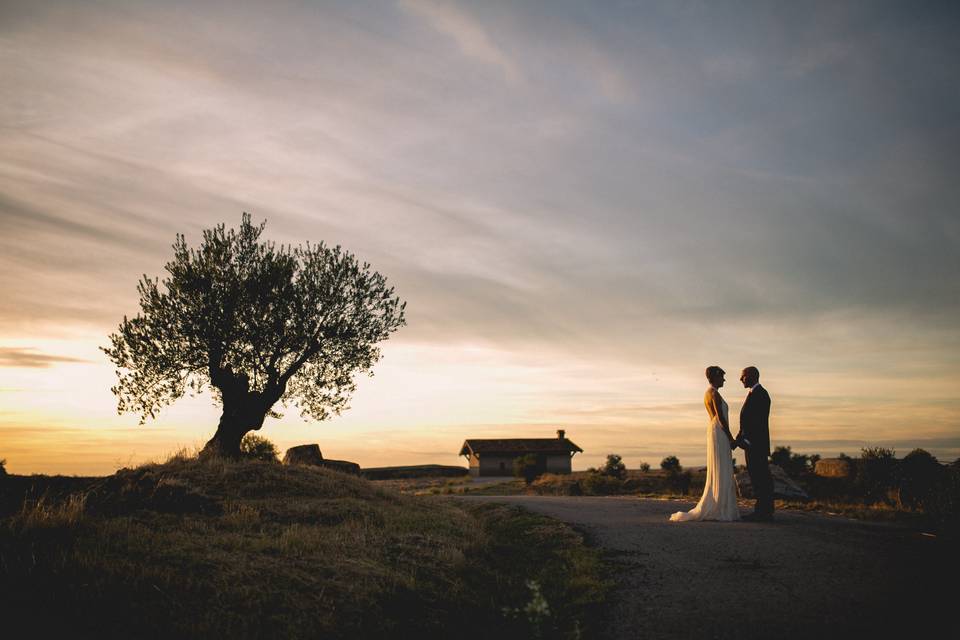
(256, 323)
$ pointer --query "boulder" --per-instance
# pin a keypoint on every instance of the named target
(784, 486)
(834, 468)
(344, 466)
(304, 454)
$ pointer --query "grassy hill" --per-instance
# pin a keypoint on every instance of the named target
(256, 549)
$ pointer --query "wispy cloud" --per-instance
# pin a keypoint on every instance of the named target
(31, 359)
(470, 35)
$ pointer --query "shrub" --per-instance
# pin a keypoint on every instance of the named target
(942, 504)
(917, 476)
(553, 484)
(795, 464)
(614, 467)
(601, 484)
(256, 447)
(3, 467)
(526, 467)
(875, 473)
(671, 463)
(645, 467)
(679, 482)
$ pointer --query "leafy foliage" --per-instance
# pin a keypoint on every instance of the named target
(875, 473)
(671, 463)
(526, 467)
(614, 467)
(795, 464)
(254, 321)
(917, 477)
(601, 484)
(258, 448)
(645, 467)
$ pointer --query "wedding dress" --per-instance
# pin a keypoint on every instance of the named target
(719, 499)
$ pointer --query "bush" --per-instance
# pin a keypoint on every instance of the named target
(645, 467)
(917, 477)
(875, 473)
(526, 467)
(942, 504)
(3, 467)
(614, 467)
(254, 447)
(795, 464)
(679, 482)
(601, 484)
(671, 463)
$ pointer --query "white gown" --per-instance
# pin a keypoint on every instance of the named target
(719, 499)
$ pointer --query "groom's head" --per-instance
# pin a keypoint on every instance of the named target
(749, 377)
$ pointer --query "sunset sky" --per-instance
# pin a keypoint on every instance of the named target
(583, 203)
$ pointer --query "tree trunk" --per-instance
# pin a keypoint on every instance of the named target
(225, 443)
(235, 422)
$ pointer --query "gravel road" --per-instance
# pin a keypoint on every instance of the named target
(804, 575)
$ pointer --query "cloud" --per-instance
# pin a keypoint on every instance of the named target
(32, 359)
(628, 186)
(469, 34)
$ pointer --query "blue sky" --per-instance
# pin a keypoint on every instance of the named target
(584, 204)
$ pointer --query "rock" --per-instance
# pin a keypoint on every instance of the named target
(344, 466)
(304, 454)
(784, 486)
(310, 454)
(834, 468)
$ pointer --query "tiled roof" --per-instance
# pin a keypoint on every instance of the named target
(518, 446)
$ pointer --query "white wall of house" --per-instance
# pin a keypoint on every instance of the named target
(558, 464)
(492, 465)
(496, 465)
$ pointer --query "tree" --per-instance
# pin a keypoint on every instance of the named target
(671, 463)
(781, 457)
(526, 467)
(256, 323)
(875, 473)
(795, 464)
(614, 467)
(645, 467)
(917, 476)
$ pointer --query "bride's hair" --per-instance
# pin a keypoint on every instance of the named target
(714, 370)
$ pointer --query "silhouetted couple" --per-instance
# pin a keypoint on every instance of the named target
(719, 499)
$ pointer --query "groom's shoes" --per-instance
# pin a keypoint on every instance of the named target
(758, 517)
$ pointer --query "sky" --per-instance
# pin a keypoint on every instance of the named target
(583, 205)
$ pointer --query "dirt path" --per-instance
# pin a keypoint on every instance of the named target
(805, 575)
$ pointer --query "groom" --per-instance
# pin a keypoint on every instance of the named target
(754, 439)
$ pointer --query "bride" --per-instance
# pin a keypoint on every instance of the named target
(719, 499)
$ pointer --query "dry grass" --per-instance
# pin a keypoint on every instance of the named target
(48, 514)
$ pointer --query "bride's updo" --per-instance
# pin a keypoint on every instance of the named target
(712, 371)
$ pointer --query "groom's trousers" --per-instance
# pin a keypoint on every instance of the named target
(762, 482)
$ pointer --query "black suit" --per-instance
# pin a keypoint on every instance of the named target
(755, 427)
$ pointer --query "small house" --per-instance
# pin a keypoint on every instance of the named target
(495, 457)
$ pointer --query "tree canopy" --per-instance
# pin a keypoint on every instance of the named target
(257, 323)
